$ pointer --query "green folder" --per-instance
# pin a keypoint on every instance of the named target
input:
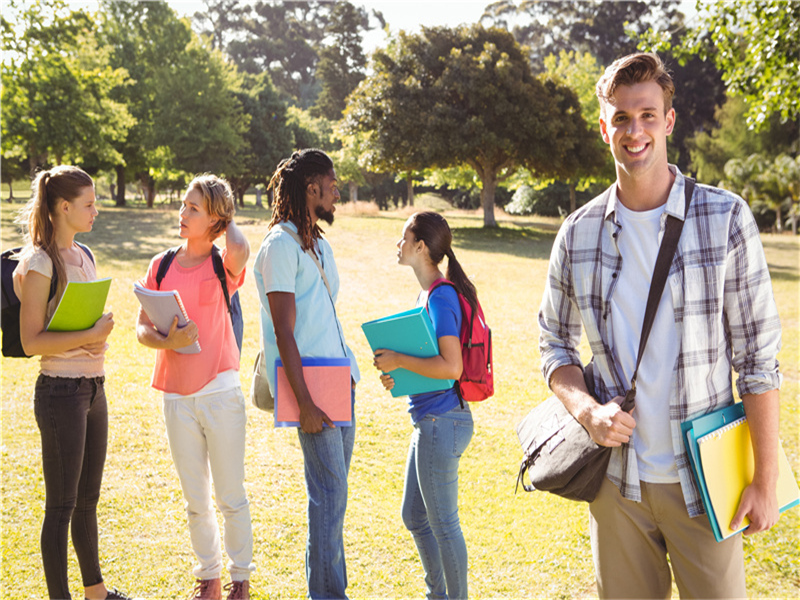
(81, 305)
(410, 332)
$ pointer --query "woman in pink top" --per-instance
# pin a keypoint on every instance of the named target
(69, 400)
(204, 409)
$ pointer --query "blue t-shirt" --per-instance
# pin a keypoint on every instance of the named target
(445, 312)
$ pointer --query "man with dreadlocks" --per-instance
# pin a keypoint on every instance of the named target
(298, 319)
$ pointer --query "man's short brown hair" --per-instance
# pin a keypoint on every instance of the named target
(635, 68)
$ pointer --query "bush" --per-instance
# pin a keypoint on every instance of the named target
(552, 201)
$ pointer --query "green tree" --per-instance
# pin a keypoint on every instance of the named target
(267, 140)
(57, 87)
(710, 151)
(219, 20)
(449, 97)
(282, 39)
(146, 37)
(607, 30)
(342, 63)
(766, 185)
(755, 44)
(184, 95)
(580, 72)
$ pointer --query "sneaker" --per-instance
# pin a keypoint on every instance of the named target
(207, 589)
(238, 590)
(115, 594)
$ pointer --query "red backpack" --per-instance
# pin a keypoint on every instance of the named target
(476, 382)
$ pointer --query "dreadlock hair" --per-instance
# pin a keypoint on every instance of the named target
(289, 183)
(432, 228)
(49, 188)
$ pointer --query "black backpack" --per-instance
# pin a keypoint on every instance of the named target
(12, 343)
(232, 302)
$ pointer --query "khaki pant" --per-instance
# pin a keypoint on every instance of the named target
(631, 541)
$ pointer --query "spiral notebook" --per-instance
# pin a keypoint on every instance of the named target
(161, 307)
(721, 453)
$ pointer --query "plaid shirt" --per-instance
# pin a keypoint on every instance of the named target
(725, 313)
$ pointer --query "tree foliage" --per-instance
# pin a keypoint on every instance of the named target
(57, 87)
(267, 139)
(710, 151)
(183, 95)
(342, 63)
(755, 44)
(448, 97)
(606, 30)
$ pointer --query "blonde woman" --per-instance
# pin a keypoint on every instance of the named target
(204, 408)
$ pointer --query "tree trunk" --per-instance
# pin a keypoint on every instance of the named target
(149, 189)
(353, 186)
(240, 194)
(573, 201)
(779, 219)
(10, 190)
(489, 185)
(259, 203)
(410, 188)
(120, 199)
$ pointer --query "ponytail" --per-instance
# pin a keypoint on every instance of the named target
(459, 278)
(38, 215)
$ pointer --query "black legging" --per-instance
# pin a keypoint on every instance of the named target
(73, 420)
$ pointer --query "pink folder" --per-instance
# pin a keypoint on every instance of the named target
(328, 381)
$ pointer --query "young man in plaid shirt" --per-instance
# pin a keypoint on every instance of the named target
(717, 312)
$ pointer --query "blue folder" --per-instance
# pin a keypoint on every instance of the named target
(694, 429)
(409, 332)
(717, 421)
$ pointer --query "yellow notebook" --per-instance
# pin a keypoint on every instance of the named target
(728, 465)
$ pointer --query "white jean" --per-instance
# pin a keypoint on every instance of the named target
(209, 431)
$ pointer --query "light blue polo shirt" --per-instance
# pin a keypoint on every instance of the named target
(281, 265)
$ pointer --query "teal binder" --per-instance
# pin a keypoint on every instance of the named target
(693, 430)
(716, 423)
(409, 332)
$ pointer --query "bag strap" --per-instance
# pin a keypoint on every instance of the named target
(219, 271)
(317, 262)
(166, 261)
(308, 251)
(666, 252)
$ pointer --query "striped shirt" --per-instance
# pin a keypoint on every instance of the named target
(724, 310)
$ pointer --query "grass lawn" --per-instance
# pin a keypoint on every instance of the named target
(520, 546)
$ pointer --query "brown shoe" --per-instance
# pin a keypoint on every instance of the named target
(207, 589)
(238, 590)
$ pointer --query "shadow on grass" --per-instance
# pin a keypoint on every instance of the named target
(781, 273)
(525, 243)
(139, 233)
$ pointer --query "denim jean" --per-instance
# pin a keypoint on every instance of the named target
(326, 457)
(72, 416)
(430, 500)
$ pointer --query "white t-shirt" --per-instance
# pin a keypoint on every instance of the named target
(638, 243)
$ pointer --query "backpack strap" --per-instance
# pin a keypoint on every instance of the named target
(219, 271)
(166, 261)
(439, 282)
(443, 281)
(86, 250)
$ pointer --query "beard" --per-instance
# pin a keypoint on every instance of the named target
(325, 215)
